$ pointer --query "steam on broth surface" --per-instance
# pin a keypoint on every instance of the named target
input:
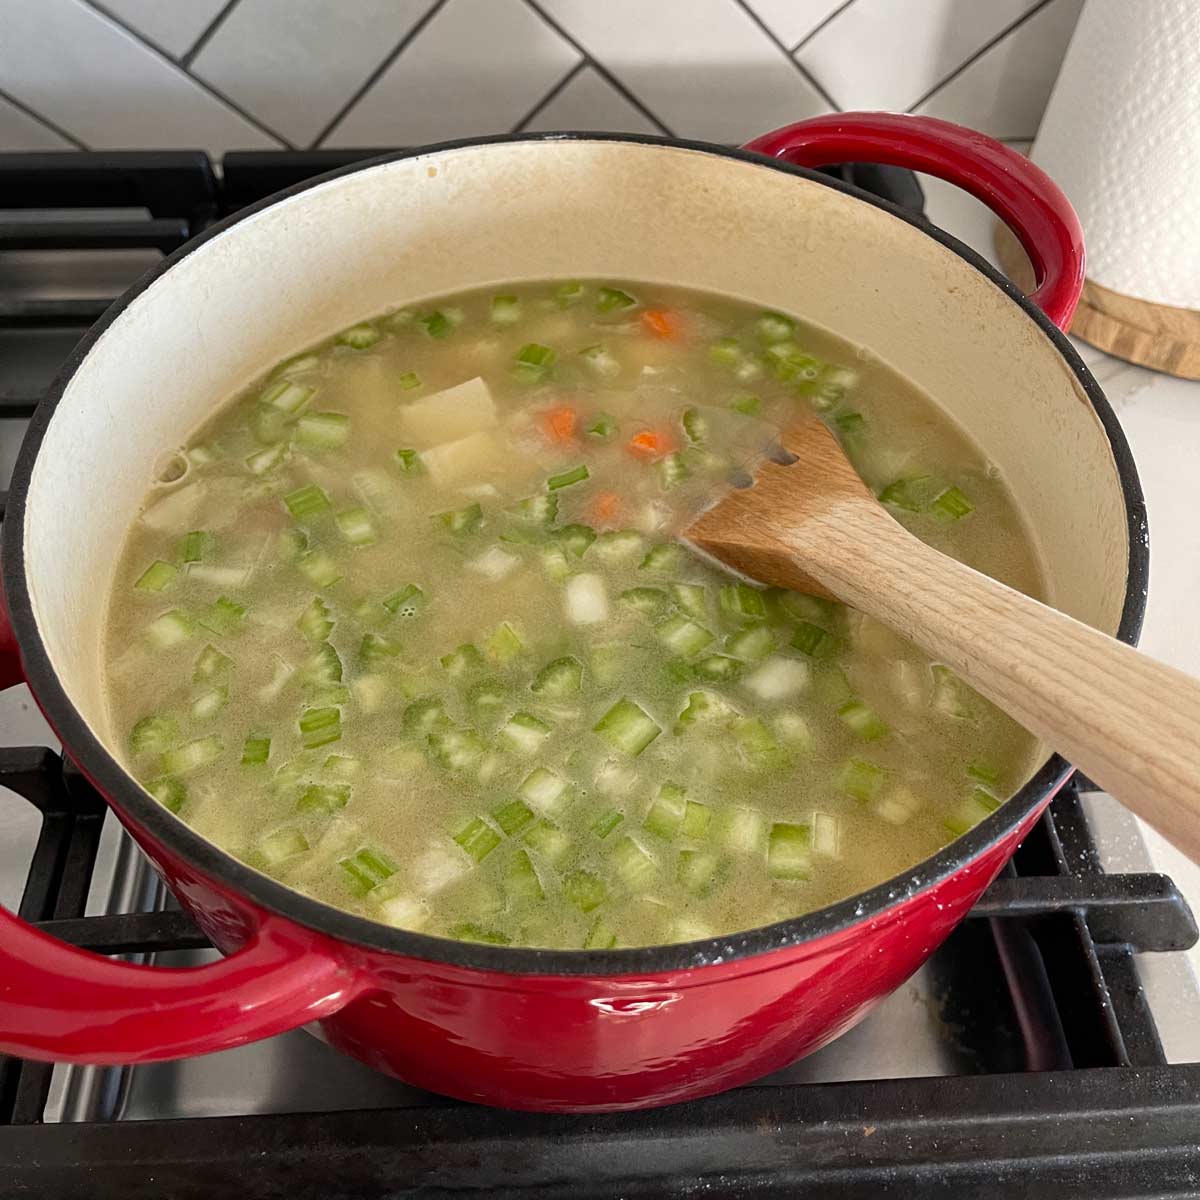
(411, 633)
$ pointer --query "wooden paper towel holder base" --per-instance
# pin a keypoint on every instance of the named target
(1152, 335)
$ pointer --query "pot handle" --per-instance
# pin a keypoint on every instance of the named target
(1021, 194)
(59, 1003)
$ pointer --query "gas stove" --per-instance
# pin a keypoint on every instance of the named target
(1046, 1048)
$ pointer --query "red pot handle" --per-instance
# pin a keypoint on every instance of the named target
(1022, 195)
(62, 1004)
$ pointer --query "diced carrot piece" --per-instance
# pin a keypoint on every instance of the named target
(662, 323)
(605, 509)
(651, 444)
(559, 423)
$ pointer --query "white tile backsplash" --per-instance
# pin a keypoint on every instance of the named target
(231, 74)
(478, 66)
(273, 57)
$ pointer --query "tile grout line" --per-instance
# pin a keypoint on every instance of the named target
(202, 84)
(34, 115)
(1010, 28)
(812, 33)
(373, 78)
(188, 56)
(803, 71)
(555, 91)
(105, 11)
(600, 69)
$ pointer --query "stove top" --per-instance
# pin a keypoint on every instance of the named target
(1044, 1049)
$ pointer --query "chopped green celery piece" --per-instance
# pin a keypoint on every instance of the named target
(696, 819)
(209, 662)
(292, 543)
(324, 797)
(750, 644)
(759, 745)
(461, 660)
(544, 790)
(440, 323)
(861, 779)
(742, 830)
(533, 362)
(320, 726)
(827, 835)
(695, 425)
(562, 677)
(409, 461)
(462, 520)
(478, 838)
(406, 602)
(523, 536)
(195, 546)
(170, 793)
(521, 880)
(794, 728)
(282, 844)
(505, 644)
(375, 649)
(684, 636)
(599, 937)
(576, 539)
(971, 811)
(325, 430)
(469, 931)
(665, 814)
(584, 890)
(814, 641)
(742, 602)
(601, 425)
(540, 510)
(287, 396)
(726, 351)
(609, 299)
(850, 424)
(666, 557)
(524, 732)
(170, 629)
(718, 668)
(357, 527)
(913, 493)
(261, 461)
(789, 851)
(330, 694)
(153, 735)
(315, 622)
(424, 716)
(341, 766)
(951, 696)
(649, 600)
(984, 772)
(672, 469)
(366, 869)
(192, 755)
(456, 749)
(407, 382)
(257, 750)
(568, 293)
(635, 868)
(487, 693)
(704, 706)
(359, 337)
(506, 310)
(223, 616)
(789, 362)
(567, 478)
(774, 327)
(627, 727)
(678, 670)
(606, 822)
(513, 816)
(746, 403)
(323, 666)
(951, 505)
(200, 456)
(692, 598)
(270, 424)
(695, 870)
(157, 576)
(402, 319)
(862, 721)
(549, 841)
(306, 501)
(318, 568)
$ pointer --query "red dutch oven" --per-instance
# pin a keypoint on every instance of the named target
(524, 1028)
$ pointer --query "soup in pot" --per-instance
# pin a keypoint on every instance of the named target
(406, 626)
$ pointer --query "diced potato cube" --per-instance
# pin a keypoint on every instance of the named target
(448, 415)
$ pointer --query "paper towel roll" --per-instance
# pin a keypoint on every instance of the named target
(1121, 136)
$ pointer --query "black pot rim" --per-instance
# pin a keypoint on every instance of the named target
(127, 795)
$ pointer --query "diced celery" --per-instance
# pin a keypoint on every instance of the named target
(951, 505)
(861, 779)
(375, 650)
(666, 557)
(357, 527)
(324, 798)
(367, 869)
(695, 870)
(154, 734)
(566, 478)
(627, 727)
(521, 880)
(409, 461)
(468, 931)
(170, 629)
(407, 382)
(599, 937)
(774, 327)
(826, 835)
(692, 598)
(223, 616)
(951, 696)
(262, 461)
(584, 890)
(575, 539)
(323, 430)
(751, 643)
(533, 363)
(719, 668)
(157, 576)
(602, 425)
(359, 337)
(635, 868)
(320, 726)
(306, 501)
(695, 425)
(984, 772)
(684, 636)
(407, 602)
(759, 745)
(424, 716)
(610, 299)
(618, 546)
(667, 810)
(282, 844)
(513, 816)
(672, 470)
(913, 493)
(524, 732)
(209, 703)
(649, 600)
(898, 806)
(192, 755)
(606, 822)
(462, 520)
(696, 819)
(538, 510)
(746, 403)
(549, 841)
(971, 811)
(554, 563)
(789, 851)
(456, 749)
(789, 362)
(814, 641)
(315, 622)
(506, 310)
(323, 666)
(487, 694)
(478, 838)
(170, 793)
(287, 396)
(568, 293)
(319, 569)
(704, 707)
(851, 424)
(505, 643)
(726, 351)
(562, 677)
(741, 602)
(441, 323)
(862, 721)
(461, 660)
(257, 750)
(742, 830)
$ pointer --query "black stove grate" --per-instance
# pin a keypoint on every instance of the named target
(1070, 1093)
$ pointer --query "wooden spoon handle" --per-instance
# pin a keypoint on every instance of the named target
(1128, 722)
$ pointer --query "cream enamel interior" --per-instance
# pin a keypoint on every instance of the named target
(460, 218)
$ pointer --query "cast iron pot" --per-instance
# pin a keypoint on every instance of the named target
(544, 1029)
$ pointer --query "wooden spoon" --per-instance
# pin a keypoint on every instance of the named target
(1130, 723)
